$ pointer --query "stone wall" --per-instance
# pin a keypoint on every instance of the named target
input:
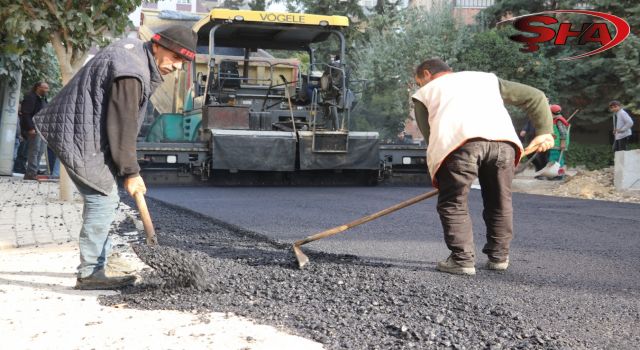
(627, 170)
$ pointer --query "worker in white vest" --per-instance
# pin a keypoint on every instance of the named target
(471, 136)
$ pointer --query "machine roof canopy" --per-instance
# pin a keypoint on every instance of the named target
(269, 30)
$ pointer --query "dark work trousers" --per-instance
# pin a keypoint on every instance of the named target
(492, 162)
(541, 160)
(621, 145)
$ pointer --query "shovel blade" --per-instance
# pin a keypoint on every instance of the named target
(551, 170)
(152, 240)
(300, 256)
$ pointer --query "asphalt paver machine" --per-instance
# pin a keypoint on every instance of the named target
(268, 99)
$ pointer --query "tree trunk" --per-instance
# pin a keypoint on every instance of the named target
(70, 60)
(8, 123)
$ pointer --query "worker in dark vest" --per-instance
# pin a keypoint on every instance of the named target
(92, 126)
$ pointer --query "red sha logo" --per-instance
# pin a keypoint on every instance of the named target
(597, 32)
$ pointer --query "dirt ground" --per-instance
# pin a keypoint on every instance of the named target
(584, 184)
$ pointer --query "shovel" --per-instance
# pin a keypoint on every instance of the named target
(146, 218)
(303, 259)
(175, 266)
(551, 169)
(523, 166)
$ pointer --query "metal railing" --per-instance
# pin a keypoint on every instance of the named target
(475, 4)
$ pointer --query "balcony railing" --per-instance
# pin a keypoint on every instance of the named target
(473, 4)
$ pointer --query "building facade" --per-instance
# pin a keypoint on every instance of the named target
(466, 10)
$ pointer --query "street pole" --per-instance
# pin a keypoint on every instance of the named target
(8, 123)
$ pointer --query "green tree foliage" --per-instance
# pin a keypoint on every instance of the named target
(71, 26)
(493, 51)
(389, 58)
(588, 83)
(14, 41)
(40, 64)
(512, 8)
(349, 8)
(233, 4)
(258, 5)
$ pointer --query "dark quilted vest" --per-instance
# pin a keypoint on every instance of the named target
(74, 122)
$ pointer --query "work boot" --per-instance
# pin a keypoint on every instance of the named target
(98, 281)
(118, 266)
(498, 265)
(451, 266)
(29, 177)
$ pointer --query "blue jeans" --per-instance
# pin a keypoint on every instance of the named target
(97, 215)
(16, 145)
(56, 168)
(22, 155)
(53, 162)
(36, 150)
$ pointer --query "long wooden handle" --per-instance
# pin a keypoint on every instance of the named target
(338, 229)
(522, 166)
(408, 202)
(529, 150)
(146, 219)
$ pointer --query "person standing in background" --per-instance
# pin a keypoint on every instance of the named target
(33, 102)
(527, 134)
(561, 140)
(622, 124)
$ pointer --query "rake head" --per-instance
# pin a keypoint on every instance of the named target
(300, 256)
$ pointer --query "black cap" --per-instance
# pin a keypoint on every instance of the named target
(179, 39)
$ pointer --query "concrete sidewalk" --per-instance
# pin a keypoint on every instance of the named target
(30, 214)
(41, 310)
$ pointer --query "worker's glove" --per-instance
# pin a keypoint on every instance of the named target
(541, 143)
(134, 184)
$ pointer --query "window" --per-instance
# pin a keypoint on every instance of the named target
(183, 2)
(473, 3)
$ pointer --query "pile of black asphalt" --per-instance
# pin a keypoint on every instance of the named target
(340, 301)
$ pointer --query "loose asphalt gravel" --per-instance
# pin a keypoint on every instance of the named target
(346, 302)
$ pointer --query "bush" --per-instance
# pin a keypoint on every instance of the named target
(592, 156)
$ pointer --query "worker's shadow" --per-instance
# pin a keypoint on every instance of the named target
(35, 273)
(55, 286)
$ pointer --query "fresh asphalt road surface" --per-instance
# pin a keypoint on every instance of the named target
(573, 281)
(579, 244)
